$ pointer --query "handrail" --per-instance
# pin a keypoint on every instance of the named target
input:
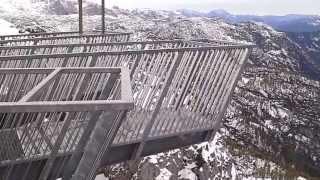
(64, 37)
(149, 51)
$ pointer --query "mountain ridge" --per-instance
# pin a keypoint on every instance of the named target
(287, 23)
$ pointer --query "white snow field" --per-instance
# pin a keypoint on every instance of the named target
(6, 28)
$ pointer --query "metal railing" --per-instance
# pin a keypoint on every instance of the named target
(186, 76)
(92, 47)
(34, 35)
(179, 88)
(45, 34)
(99, 47)
(51, 113)
(68, 39)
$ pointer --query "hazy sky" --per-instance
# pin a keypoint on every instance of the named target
(260, 7)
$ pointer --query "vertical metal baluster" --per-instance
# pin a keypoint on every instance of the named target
(169, 78)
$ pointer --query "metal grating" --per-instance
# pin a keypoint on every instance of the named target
(58, 114)
(194, 73)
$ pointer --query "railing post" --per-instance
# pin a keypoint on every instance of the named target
(138, 151)
(99, 143)
(80, 16)
(103, 16)
(50, 162)
(77, 155)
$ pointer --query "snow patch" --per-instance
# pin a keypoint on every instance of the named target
(233, 172)
(165, 174)
(187, 174)
(6, 28)
(245, 80)
(301, 178)
(282, 113)
(275, 52)
(263, 92)
(101, 177)
(153, 159)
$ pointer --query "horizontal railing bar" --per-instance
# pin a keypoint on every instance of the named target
(63, 37)
(34, 158)
(63, 70)
(39, 34)
(64, 106)
(150, 51)
(52, 33)
(195, 41)
(91, 70)
(218, 41)
(91, 44)
(26, 70)
(98, 31)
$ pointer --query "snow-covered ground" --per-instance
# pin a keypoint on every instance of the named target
(7, 28)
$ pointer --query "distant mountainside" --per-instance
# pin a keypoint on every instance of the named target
(310, 43)
(288, 23)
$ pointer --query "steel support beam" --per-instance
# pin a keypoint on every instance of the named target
(103, 16)
(80, 16)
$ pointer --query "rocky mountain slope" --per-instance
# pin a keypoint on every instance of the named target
(287, 23)
(310, 42)
(271, 129)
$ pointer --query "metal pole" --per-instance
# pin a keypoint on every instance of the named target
(103, 15)
(80, 17)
